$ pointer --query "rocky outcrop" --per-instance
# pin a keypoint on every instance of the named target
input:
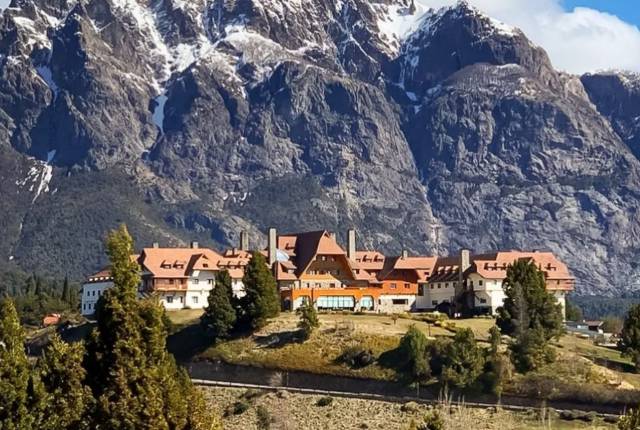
(424, 130)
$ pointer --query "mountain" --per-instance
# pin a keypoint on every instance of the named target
(428, 130)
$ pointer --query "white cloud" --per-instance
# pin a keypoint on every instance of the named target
(578, 41)
(4, 3)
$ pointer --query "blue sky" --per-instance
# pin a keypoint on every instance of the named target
(627, 10)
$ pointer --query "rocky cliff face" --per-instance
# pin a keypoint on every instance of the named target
(427, 130)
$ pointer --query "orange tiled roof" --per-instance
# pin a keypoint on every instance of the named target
(178, 262)
(494, 266)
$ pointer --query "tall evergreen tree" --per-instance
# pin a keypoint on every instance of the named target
(66, 399)
(15, 381)
(463, 359)
(528, 304)
(219, 317)
(261, 301)
(630, 335)
(413, 353)
(66, 293)
(136, 382)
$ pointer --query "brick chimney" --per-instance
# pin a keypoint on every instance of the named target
(194, 245)
(156, 245)
(244, 241)
(272, 246)
(405, 254)
(351, 245)
(465, 263)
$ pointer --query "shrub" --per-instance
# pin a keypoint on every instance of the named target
(413, 350)
(240, 407)
(433, 421)
(324, 401)
(356, 357)
(264, 418)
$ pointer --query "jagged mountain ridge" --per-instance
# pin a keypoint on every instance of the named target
(428, 130)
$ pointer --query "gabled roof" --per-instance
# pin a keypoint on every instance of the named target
(494, 265)
(178, 262)
(421, 267)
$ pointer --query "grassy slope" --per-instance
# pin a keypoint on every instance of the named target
(573, 375)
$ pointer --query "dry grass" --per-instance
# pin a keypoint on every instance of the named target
(185, 317)
(317, 355)
(301, 412)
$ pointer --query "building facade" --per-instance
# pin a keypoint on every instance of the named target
(313, 267)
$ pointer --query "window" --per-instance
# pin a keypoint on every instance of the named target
(210, 281)
(431, 286)
(323, 272)
(434, 302)
(324, 258)
(196, 281)
(393, 286)
(483, 301)
(480, 282)
(421, 290)
(169, 299)
(195, 299)
(439, 286)
(332, 285)
(180, 299)
(446, 285)
(407, 286)
(99, 293)
(455, 284)
(93, 293)
(471, 284)
(205, 264)
(317, 284)
(170, 281)
(400, 301)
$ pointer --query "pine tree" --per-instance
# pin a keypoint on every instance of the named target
(527, 303)
(15, 381)
(308, 319)
(630, 335)
(66, 399)
(219, 317)
(135, 381)
(463, 359)
(261, 301)
(66, 293)
(413, 352)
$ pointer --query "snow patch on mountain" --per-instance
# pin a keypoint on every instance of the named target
(45, 73)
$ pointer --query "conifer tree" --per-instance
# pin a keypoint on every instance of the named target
(15, 381)
(413, 353)
(65, 399)
(136, 382)
(630, 336)
(527, 303)
(463, 359)
(261, 301)
(308, 319)
(219, 317)
(66, 293)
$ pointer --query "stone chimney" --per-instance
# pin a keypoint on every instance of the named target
(272, 246)
(412, 8)
(244, 241)
(156, 245)
(351, 245)
(465, 263)
(405, 254)
(194, 245)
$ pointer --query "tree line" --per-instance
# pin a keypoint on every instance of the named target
(530, 316)
(35, 296)
(121, 377)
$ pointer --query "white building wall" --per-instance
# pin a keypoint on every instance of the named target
(435, 294)
(199, 285)
(172, 300)
(561, 297)
(488, 293)
(238, 288)
(91, 292)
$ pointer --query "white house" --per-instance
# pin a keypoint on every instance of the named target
(93, 289)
